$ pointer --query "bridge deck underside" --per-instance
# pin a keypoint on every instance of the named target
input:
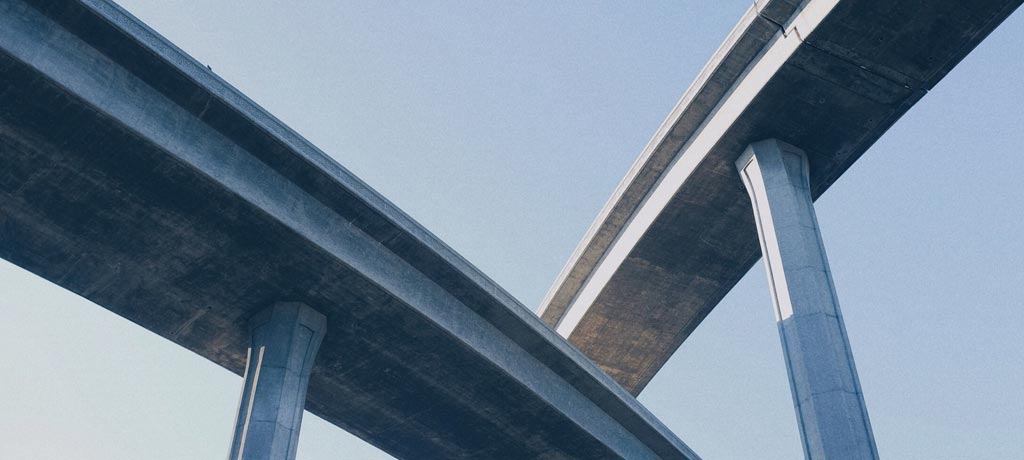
(854, 76)
(134, 178)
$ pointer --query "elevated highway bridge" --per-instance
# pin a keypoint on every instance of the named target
(828, 76)
(133, 176)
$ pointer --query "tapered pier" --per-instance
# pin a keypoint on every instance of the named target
(283, 341)
(826, 391)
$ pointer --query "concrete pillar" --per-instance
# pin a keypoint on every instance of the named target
(826, 391)
(283, 341)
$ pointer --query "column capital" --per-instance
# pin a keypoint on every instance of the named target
(827, 396)
(283, 341)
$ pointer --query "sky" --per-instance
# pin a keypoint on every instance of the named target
(503, 127)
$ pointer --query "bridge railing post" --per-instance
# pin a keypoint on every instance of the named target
(283, 342)
(829, 403)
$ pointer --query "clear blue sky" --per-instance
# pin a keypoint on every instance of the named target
(503, 129)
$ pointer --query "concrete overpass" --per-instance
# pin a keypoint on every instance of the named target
(827, 76)
(794, 96)
(136, 178)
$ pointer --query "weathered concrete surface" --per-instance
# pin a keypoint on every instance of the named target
(827, 395)
(830, 76)
(136, 178)
(283, 341)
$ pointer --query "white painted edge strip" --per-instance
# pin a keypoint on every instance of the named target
(666, 127)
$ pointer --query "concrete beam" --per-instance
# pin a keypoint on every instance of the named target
(829, 402)
(136, 178)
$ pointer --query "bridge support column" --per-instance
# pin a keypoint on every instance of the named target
(283, 341)
(826, 391)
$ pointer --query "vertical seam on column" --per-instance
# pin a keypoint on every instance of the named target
(850, 364)
(751, 189)
(300, 399)
(252, 396)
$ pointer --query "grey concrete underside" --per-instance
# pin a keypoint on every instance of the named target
(860, 69)
(137, 179)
